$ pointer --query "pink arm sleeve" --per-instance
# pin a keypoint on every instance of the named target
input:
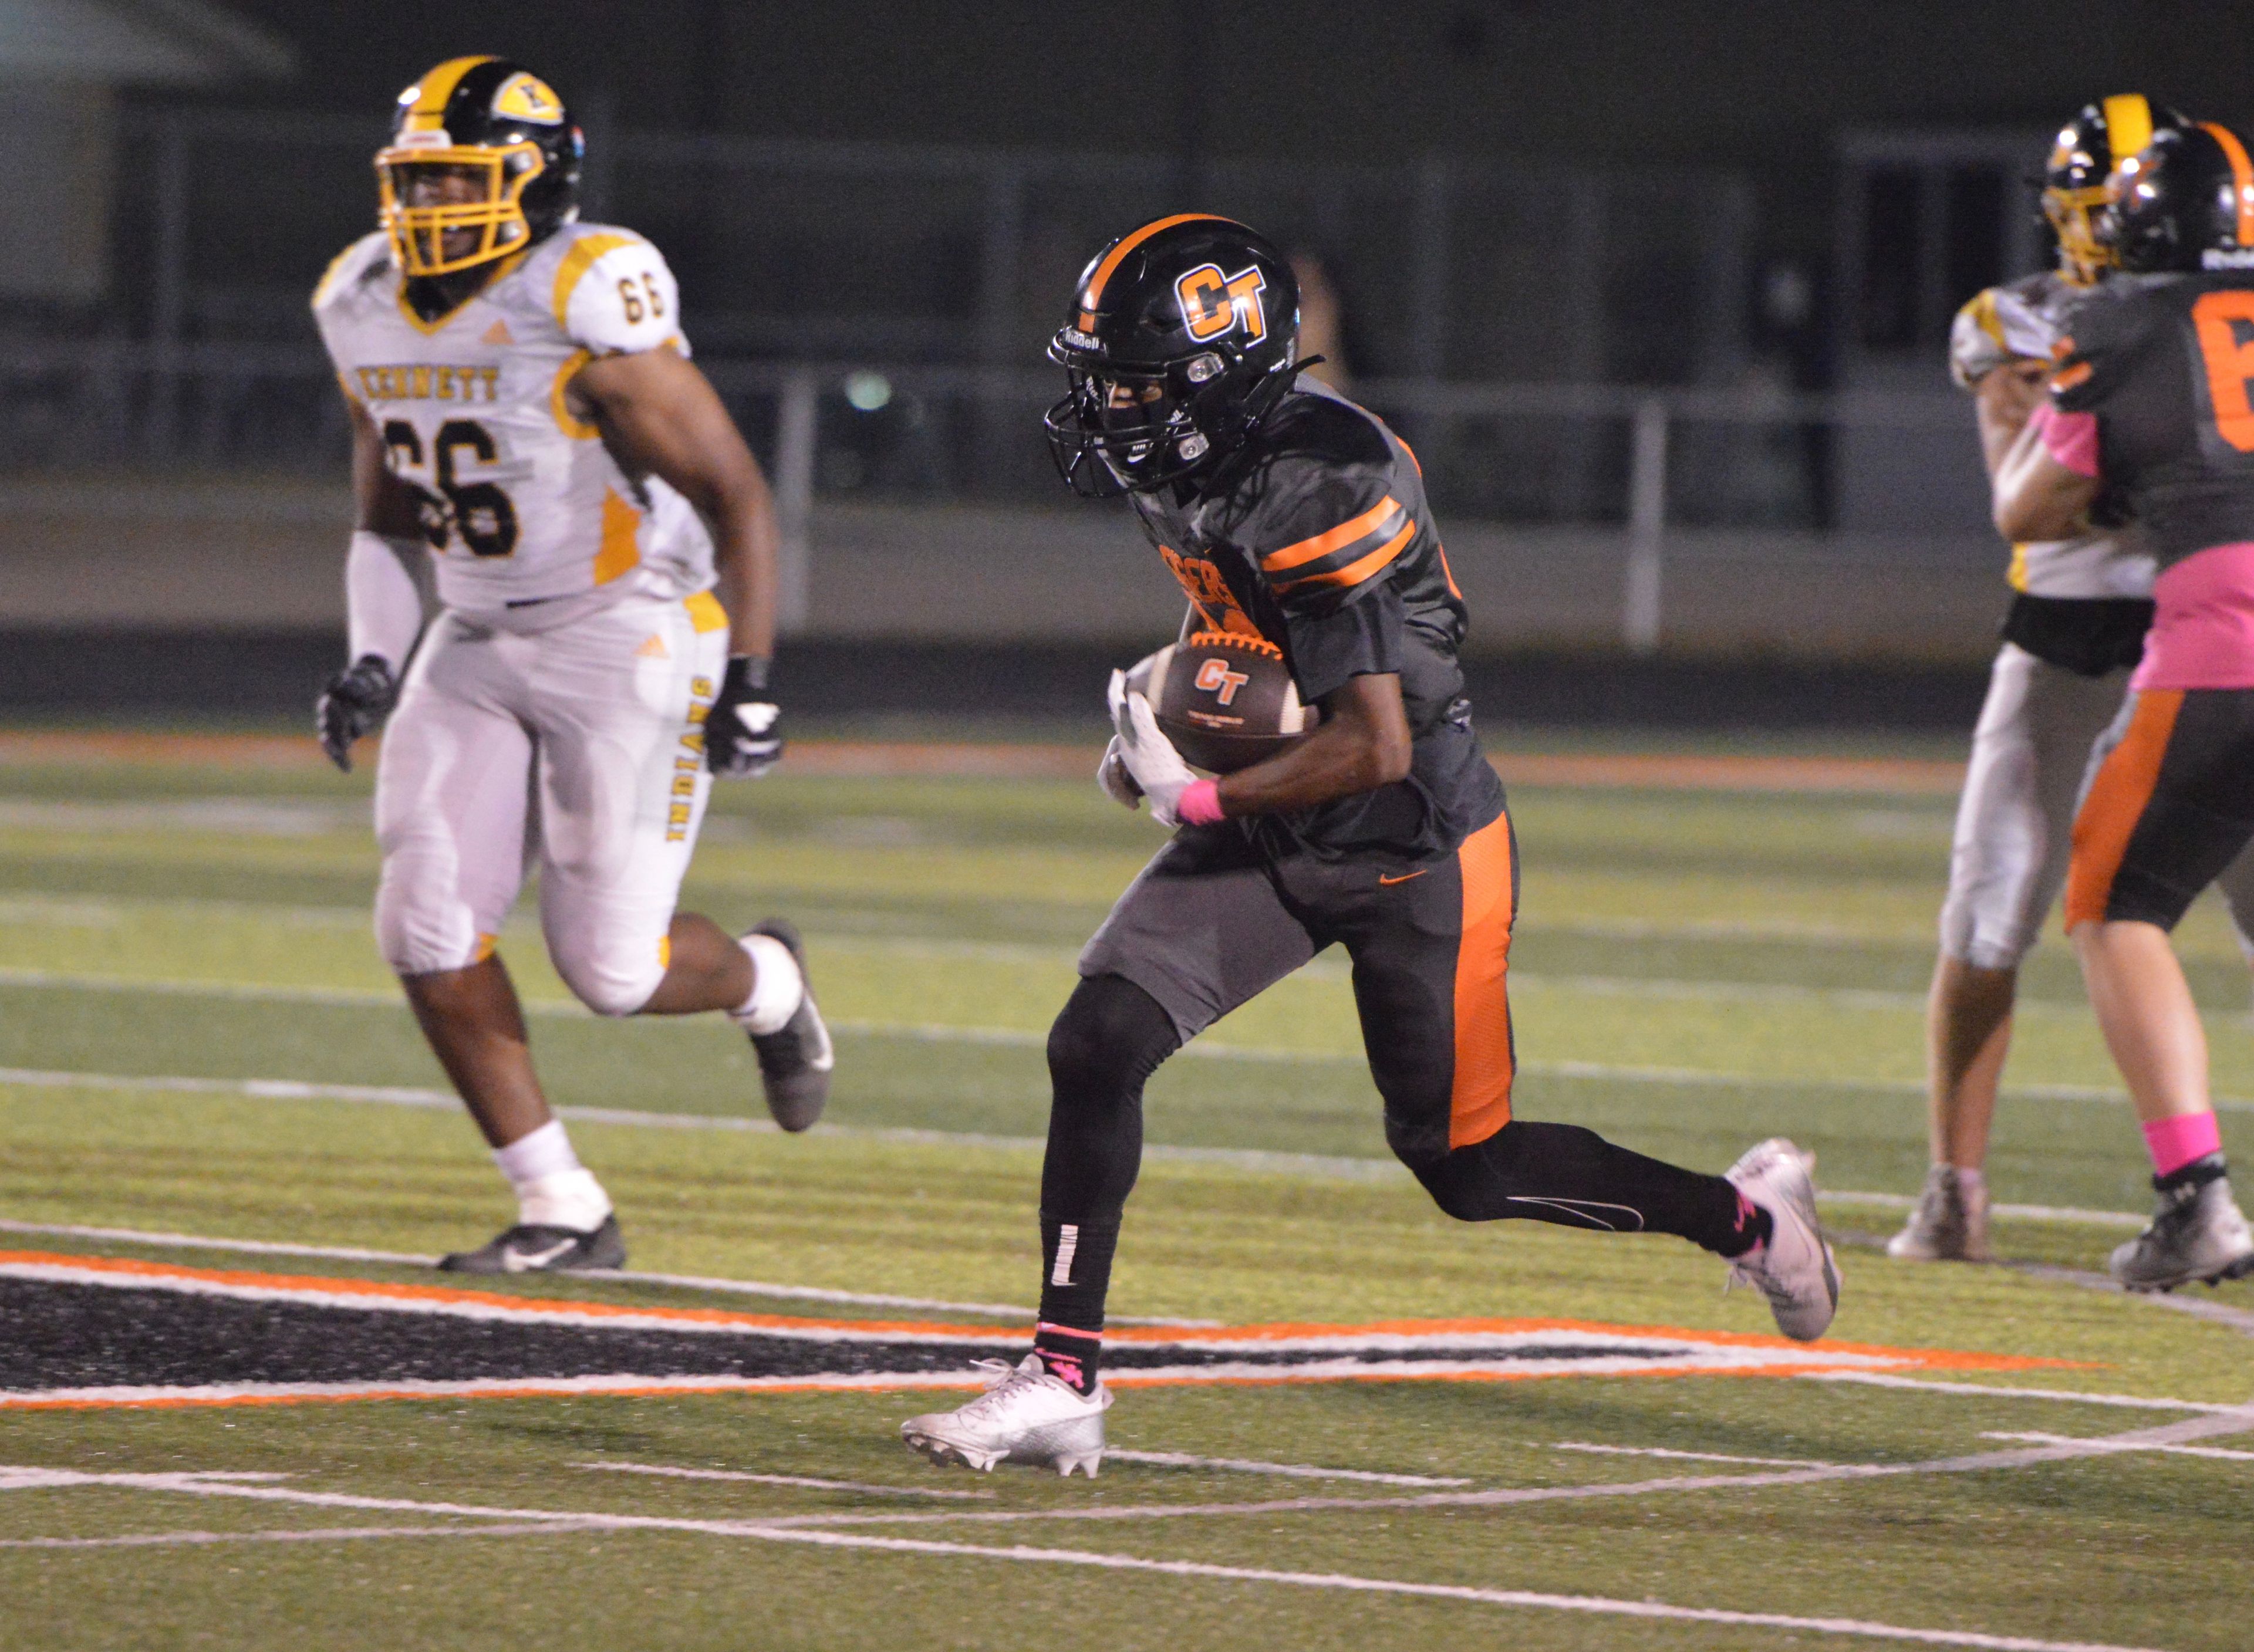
(2071, 438)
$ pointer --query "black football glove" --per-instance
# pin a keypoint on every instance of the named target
(355, 703)
(742, 731)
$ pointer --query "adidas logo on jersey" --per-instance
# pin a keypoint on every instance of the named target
(654, 648)
(499, 334)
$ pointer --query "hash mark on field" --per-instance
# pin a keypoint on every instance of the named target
(1288, 1471)
(1717, 1457)
(778, 1479)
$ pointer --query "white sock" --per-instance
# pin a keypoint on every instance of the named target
(553, 1189)
(778, 987)
(1975, 1184)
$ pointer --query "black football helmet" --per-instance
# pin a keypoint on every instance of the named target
(502, 125)
(2187, 202)
(1182, 335)
(2084, 156)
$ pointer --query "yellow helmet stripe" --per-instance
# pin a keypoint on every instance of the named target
(1127, 244)
(428, 112)
(2128, 124)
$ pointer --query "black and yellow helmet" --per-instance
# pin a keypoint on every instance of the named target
(498, 124)
(2082, 157)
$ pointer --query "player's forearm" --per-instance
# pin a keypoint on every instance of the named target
(746, 548)
(1357, 748)
(2034, 496)
(2002, 402)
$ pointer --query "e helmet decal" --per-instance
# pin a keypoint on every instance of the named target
(526, 97)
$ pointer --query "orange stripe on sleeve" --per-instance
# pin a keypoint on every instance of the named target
(1479, 1097)
(2109, 814)
(1336, 539)
(1354, 572)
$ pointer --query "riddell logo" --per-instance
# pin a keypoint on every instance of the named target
(2230, 258)
(1216, 678)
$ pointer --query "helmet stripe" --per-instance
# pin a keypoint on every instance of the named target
(2128, 124)
(428, 109)
(2242, 177)
(1128, 243)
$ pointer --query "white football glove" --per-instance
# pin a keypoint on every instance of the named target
(1147, 754)
(1111, 774)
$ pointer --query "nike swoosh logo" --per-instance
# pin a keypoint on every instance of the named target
(1403, 879)
(526, 1261)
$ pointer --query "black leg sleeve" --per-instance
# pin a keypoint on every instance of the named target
(1574, 1177)
(1111, 1036)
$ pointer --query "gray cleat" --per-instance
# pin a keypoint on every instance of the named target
(794, 1064)
(1950, 1222)
(2198, 1232)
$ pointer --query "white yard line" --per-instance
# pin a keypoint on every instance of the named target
(331, 1534)
(1317, 1164)
(1288, 1471)
(1711, 1457)
(668, 1471)
(2220, 1452)
(626, 1276)
(550, 1522)
(1932, 1385)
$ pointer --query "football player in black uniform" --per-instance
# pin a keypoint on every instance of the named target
(1289, 514)
(2149, 401)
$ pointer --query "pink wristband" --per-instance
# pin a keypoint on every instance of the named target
(1199, 804)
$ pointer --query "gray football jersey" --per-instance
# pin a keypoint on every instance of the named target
(1317, 537)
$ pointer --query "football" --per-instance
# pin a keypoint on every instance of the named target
(1225, 700)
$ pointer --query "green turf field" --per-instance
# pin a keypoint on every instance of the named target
(198, 1040)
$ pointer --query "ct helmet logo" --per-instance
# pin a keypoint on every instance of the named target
(1213, 303)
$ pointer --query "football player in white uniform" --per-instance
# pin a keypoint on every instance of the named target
(2075, 627)
(524, 414)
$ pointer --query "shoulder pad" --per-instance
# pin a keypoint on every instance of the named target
(2000, 325)
(1325, 426)
(369, 255)
(608, 290)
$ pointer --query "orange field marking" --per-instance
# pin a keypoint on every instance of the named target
(885, 759)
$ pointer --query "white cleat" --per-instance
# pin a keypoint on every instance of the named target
(1794, 1267)
(1950, 1222)
(1025, 1416)
(2197, 1233)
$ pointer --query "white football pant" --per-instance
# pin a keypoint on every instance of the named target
(577, 748)
(2015, 820)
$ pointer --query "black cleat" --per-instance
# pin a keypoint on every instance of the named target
(526, 1248)
(794, 1063)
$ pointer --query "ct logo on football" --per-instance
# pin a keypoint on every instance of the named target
(1213, 303)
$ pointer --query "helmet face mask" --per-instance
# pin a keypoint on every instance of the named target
(438, 226)
(2078, 177)
(1180, 338)
(484, 162)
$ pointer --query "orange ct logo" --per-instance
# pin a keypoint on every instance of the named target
(1215, 677)
(1213, 303)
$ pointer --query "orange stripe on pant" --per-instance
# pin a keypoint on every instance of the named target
(1478, 1101)
(2117, 796)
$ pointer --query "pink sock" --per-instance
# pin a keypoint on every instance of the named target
(2175, 1142)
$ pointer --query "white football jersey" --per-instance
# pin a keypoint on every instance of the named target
(2021, 321)
(523, 501)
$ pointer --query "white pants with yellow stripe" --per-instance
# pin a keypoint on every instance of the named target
(571, 742)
